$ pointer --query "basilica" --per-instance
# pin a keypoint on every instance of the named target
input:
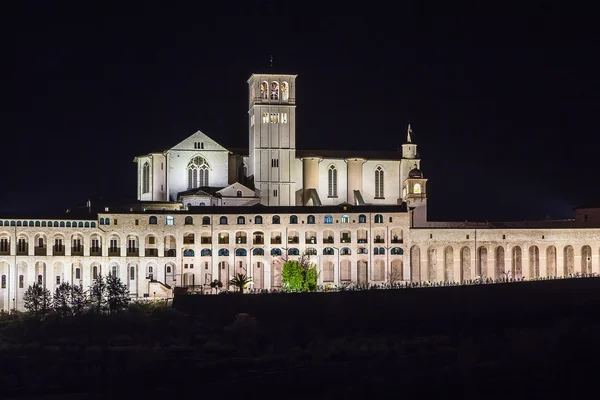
(205, 212)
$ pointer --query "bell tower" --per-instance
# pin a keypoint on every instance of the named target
(409, 161)
(272, 138)
(416, 197)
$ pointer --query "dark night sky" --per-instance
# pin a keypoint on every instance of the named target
(503, 102)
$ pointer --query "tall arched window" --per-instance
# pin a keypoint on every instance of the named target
(197, 171)
(274, 90)
(146, 177)
(332, 179)
(285, 94)
(417, 188)
(264, 90)
(379, 183)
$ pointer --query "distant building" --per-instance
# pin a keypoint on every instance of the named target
(205, 212)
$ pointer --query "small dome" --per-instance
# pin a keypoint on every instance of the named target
(415, 173)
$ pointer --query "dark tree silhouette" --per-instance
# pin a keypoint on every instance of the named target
(98, 295)
(62, 301)
(37, 299)
(117, 294)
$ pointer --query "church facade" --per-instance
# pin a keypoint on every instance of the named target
(205, 212)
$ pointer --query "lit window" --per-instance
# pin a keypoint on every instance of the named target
(252, 120)
(274, 90)
(265, 118)
(274, 118)
(417, 188)
(284, 118)
(345, 219)
(285, 91)
(170, 220)
(264, 90)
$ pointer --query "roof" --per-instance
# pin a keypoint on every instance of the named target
(340, 154)
(202, 191)
(261, 209)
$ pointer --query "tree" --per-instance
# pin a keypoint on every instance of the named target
(117, 294)
(98, 295)
(292, 276)
(37, 299)
(240, 281)
(79, 300)
(62, 301)
(395, 275)
(216, 284)
(299, 275)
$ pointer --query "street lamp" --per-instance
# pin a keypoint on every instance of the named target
(338, 265)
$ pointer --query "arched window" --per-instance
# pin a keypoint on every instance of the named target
(37, 223)
(62, 224)
(114, 271)
(332, 181)
(293, 251)
(258, 252)
(345, 219)
(106, 221)
(379, 183)
(328, 251)
(188, 253)
(205, 252)
(205, 220)
(258, 219)
(396, 251)
(276, 219)
(153, 220)
(274, 90)
(417, 188)
(77, 273)
(275, 252)
(285, 91)
(241, 220)
(80, 224)
(345, 251)
(197, 171)
(132, 273)
(95, 272)
(101, 221)
(168, 269)
(146, 178)
(362, 219)
(311, 251)
(188, 221)
(68, 223)
(293, 219)
(310, 219)
(223, 252)
(378, 219)
(93, 224)
(223, 220)
(239, 193)
(264, 90)
(241, 252)
(87, 224)
(328, 219)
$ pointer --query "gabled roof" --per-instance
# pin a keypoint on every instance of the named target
(205, 191)
(236, 186)
(199, 136)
